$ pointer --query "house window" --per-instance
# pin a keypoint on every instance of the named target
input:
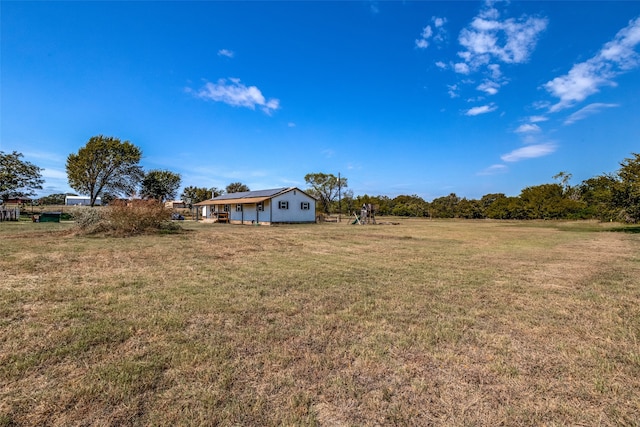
(260, 206)
(226, 208)
(304, 206)
(238, 208)
(283, 204)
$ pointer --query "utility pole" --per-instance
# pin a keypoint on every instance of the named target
(339, 199)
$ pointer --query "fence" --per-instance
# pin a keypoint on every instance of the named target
(9, 214)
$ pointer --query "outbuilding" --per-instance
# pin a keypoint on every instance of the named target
(279, 205)
(80, 200)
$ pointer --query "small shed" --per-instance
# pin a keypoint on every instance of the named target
(48, 217)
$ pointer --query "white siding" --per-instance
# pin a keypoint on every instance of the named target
(80, 201)
(294, 211)
(300, 208)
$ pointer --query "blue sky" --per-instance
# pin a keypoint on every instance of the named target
(424, 98)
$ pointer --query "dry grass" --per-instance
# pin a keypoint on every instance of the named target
(422, 323)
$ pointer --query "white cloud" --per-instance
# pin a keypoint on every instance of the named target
(234, 93)
(428, 33)
(422, 43)
(481, 110)
(441, 65)
(527, 128)
(583, 80)
(588, 111)
(453, 91)
(538, 119)
(489, 87)
(495, 71)
(489, 40)
(511, 41)
(586, 78)
(50, 173)
(529, 152)
(226, 52)
(494, 170)
(461, 68)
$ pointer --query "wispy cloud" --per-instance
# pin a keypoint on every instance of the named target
(588, 111)
(432, 32)
(586, 78)
(226, 52)
(453, 91)
(489, 87)
(510, 40)
(489, 40)
(291, 125)
(537, 119)
(494, 170)
(484, 109)
(529, 152)
(50, 173)
(328, 153)
(233, 92)
(374, 8)
(461, 68)
(527, 128)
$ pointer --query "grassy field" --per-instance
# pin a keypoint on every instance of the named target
(419, 323)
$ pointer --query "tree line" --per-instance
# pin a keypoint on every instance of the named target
(607, 197)
(109, 168)
(105, 168)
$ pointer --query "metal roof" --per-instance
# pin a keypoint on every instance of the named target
(245, 197)
(251, 194)
(232, 201)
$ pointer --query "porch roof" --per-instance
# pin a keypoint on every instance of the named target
(238, 201)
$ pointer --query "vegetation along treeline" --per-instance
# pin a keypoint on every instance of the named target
(109, 168)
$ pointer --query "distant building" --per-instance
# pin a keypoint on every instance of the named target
(18, 201)
(175, 204)
(279, 205)
(80, 201)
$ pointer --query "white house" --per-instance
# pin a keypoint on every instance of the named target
(278, 205)
(80, 200)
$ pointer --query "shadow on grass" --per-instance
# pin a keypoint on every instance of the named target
(632, 229)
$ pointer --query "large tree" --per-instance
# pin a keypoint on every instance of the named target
(628, 197)
(160, 185)
(18, 178)
(598, 195)
(325, 187)
(105, 165)
(445, 206)
(405, 205)
(236, 187)
(192, 195)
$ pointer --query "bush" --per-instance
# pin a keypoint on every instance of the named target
(89, 220)
(125, 218)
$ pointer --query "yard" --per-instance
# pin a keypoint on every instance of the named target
(419, 323)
